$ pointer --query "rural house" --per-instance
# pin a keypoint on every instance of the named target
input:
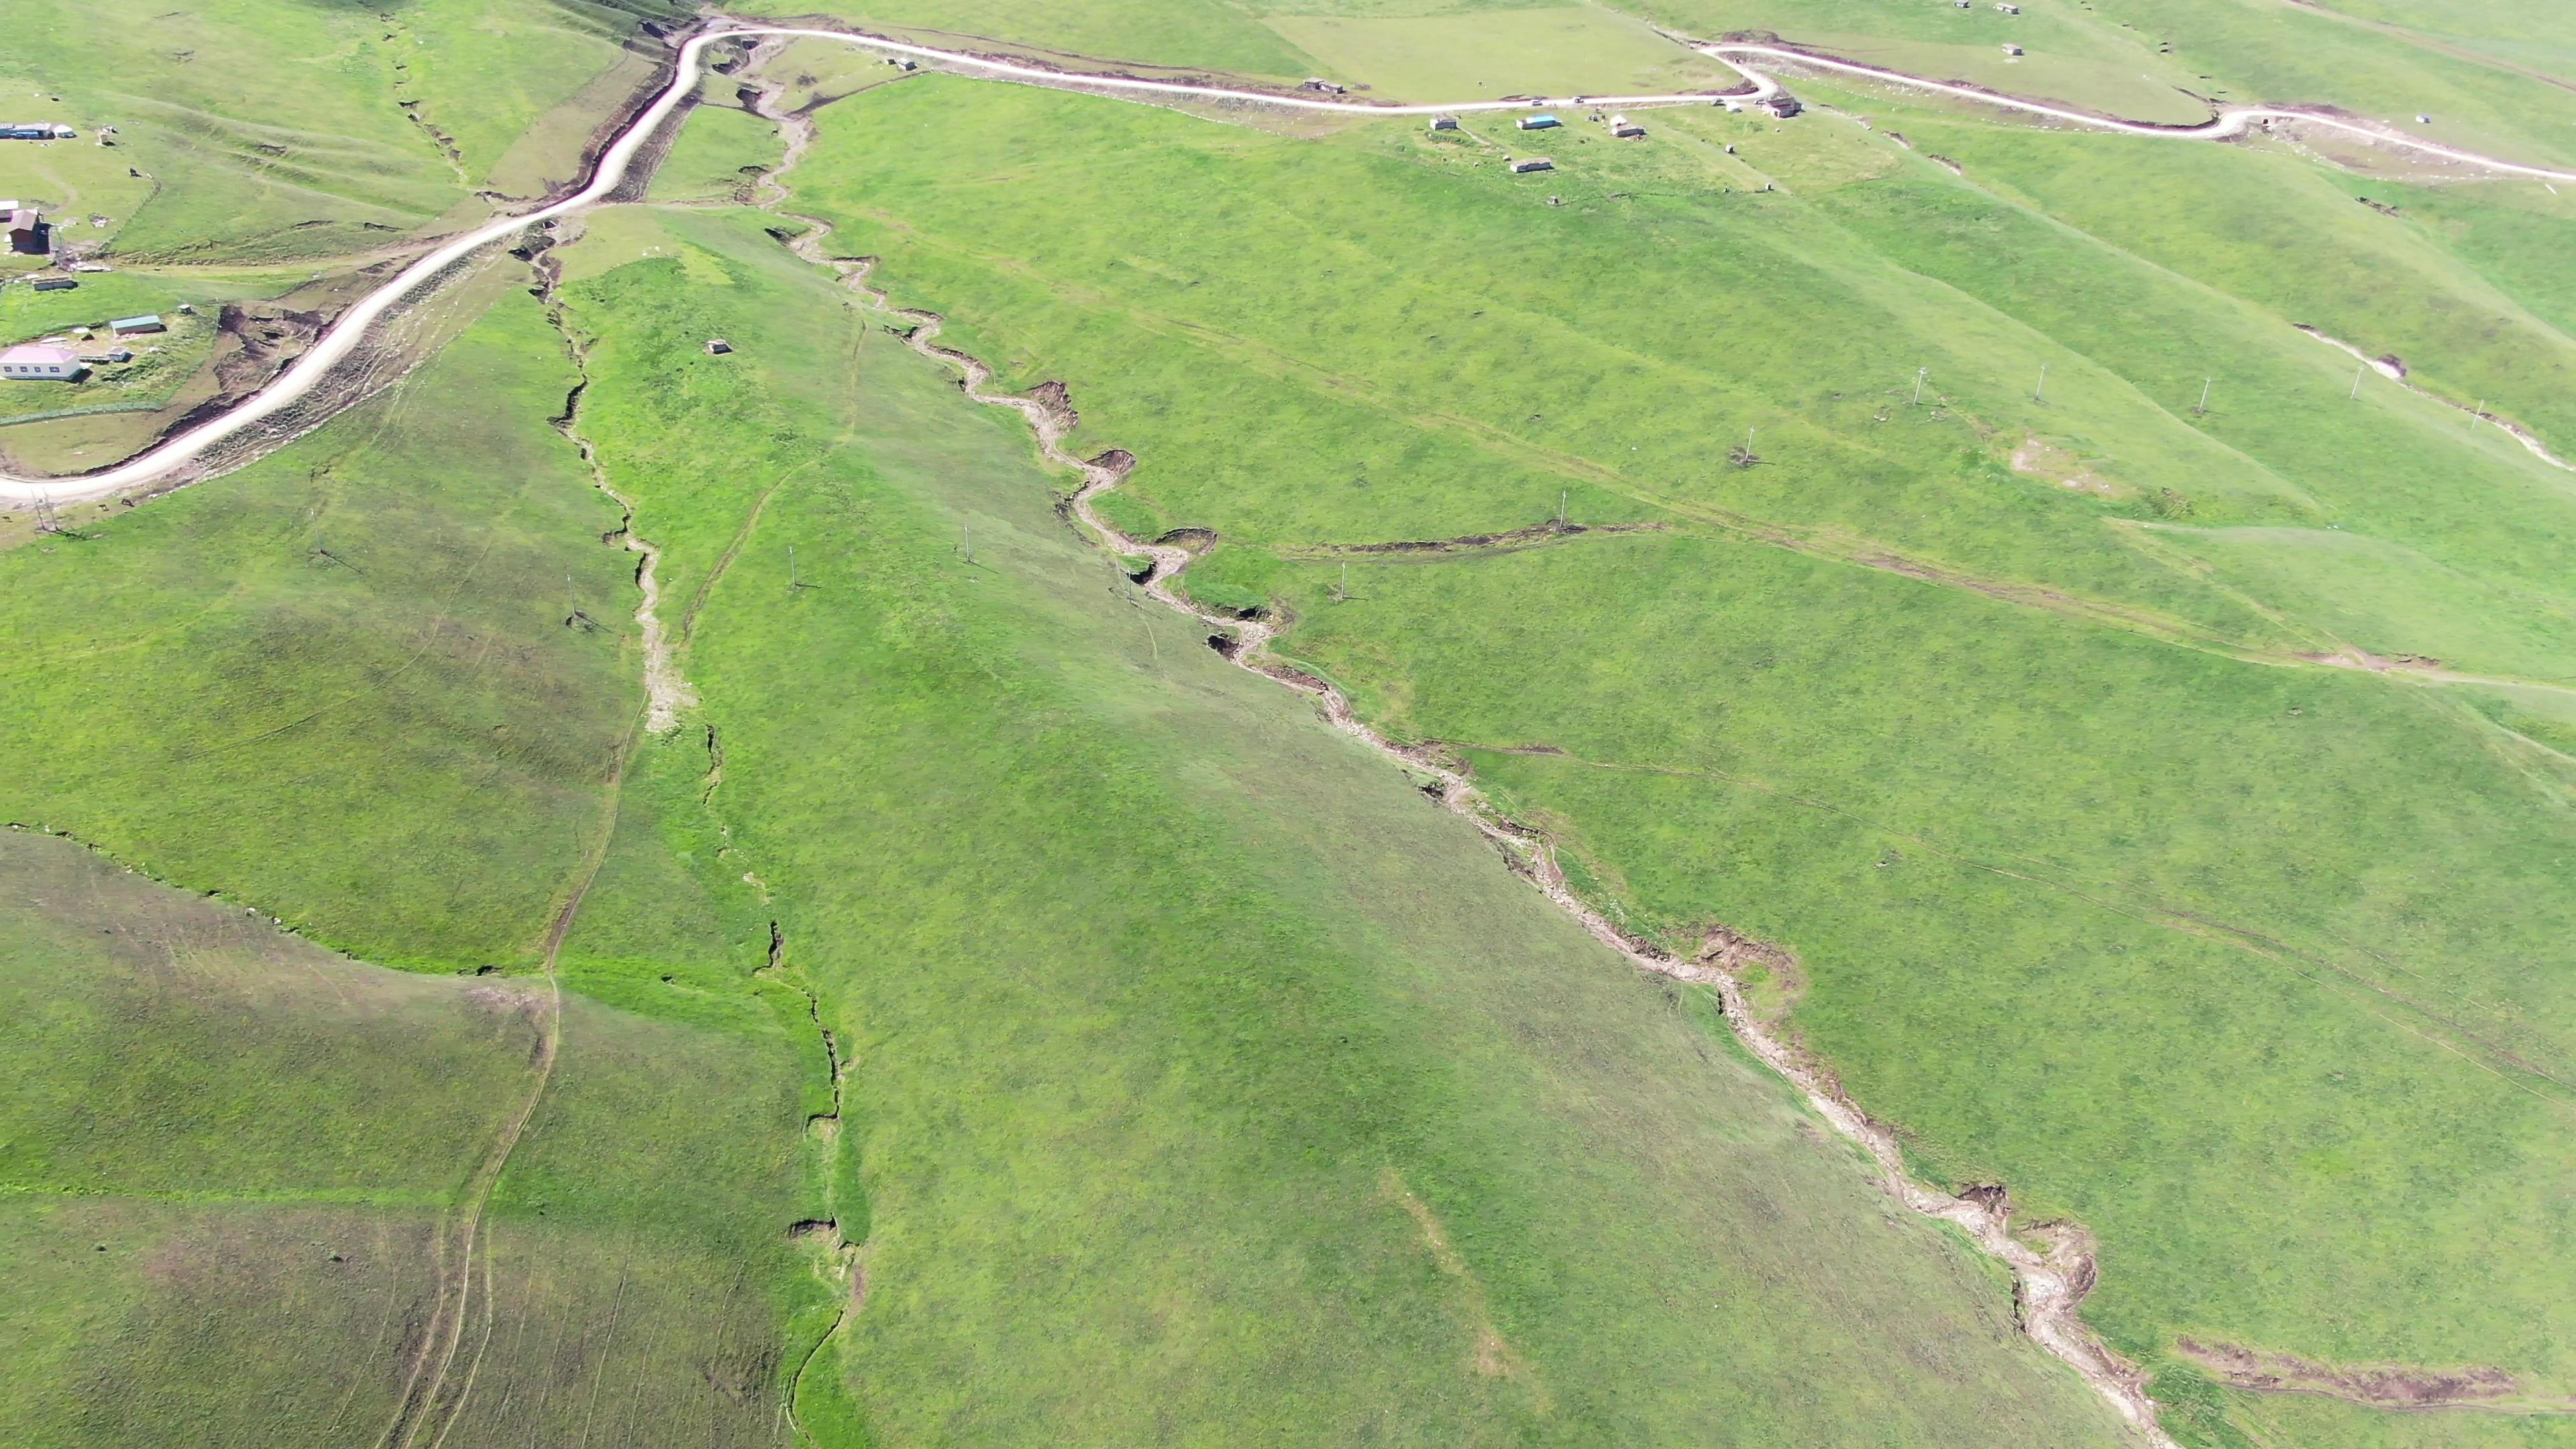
(1540, 122)
(40, 362)
(130, 326)
(1528, 164)
(35, 131)
(28, 234)
(1785, 105)
(1444, 123)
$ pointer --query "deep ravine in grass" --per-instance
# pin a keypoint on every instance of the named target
(666, 692)
(2053, 1264)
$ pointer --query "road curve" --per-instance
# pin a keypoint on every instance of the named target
(2230, 122)
(177, 451)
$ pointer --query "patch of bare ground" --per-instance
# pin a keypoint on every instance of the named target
(2376, 663)
(1552, 531)
(2051, 1271)
(2380, 1386)
(2039, 458)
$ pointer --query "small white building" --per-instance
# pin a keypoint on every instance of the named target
(40, 362)
(2012, 50)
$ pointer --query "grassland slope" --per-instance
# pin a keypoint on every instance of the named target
(1199, 1072)
(1997, 710)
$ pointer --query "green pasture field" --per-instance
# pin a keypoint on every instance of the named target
(1493, 53)
(1193, 34)
(268, 131)
(719, 154)
(2241, 961)
(236, 1246)
(227, 685)
(991, 1016)
(1175, 1022)
(2439, 283)
(2507, 93)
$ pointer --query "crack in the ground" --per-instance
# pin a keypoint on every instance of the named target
(666, 691)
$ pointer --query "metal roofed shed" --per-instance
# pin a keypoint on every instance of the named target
(1528, 164)
(1540, 122)
(54, 284)
(1785, 105)
(40, 362)
(718, 347)
(1624, 128)
(1444, 123)
(130, 326)
(2010, 49)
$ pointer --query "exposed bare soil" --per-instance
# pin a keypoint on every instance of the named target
(2382, 1386)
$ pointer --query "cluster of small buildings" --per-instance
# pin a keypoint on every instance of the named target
(35, 131)
(1779, 103)
(53, 362)
(2006, 7)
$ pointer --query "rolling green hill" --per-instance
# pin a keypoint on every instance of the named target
(1966, 558)
(1998, 712)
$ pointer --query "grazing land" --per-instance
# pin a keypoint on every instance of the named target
(241, 1246)
(1071, 890)
(2020, 683)
(619, 885)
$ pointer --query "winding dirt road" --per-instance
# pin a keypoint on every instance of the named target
(176, 455)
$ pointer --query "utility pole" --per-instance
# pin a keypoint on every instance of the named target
(2356, 379)
(2040, 393)
(2481, 412)
(970, 540)
(792, 584)
(1920, 373)
(2203, 409)
(1560, 505)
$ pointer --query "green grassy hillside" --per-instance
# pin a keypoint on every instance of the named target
(242, 1245)
(269, 131)
(1197, 1082)
(1995, 709)
(989, 1015)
